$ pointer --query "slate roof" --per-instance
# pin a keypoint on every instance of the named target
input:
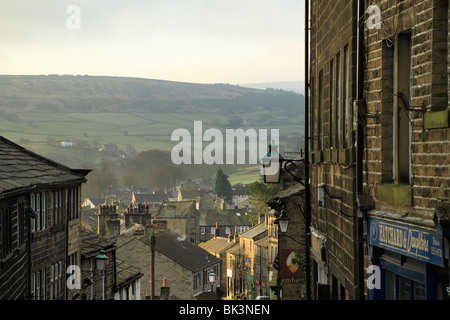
(23, 169)
(183, 252)
(239, 190)
(256, 231)
(151, 197)
(92, 243)
(182, 209)
(216, 244)
(126, 273)
(234, 249)
(292, 190)
(224, 218)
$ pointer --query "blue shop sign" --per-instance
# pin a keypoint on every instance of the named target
(412, 242)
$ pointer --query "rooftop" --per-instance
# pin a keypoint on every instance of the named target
(22, 169)
(216, 244)
(178, 209)
(92, 243)
(183, 252)
(255, 232)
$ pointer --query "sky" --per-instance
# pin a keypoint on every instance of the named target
(200, 41)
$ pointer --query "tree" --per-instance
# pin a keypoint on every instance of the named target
(259, 192)
(222, 186)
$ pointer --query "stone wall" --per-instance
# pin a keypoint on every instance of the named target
(427, 24)
(332, 157)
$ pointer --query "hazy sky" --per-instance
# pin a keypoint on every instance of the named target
(206, 41)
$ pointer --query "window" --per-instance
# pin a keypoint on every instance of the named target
(202, 230)
(320, 111)
(332, 111)
(21, 224)
(6, 228)
(38, 285)
(55, 280)
(401, 288)
(44, 211)
(39, 204)
(52, 282)
(346, 98)
(38, 210)
(401, 125)
(337, 121)
(72, 202)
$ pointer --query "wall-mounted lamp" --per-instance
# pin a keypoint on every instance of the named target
(272, 163)
(282, 221)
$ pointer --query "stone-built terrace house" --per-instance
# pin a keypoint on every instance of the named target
(182, 218)
(92, 279)
(247, 253)
(405, 157)
(151, 199)
(183, 264)
(218, 246)
(380, 147)
(122, 279)
(40, 211)
(190, 191)
(223, 223)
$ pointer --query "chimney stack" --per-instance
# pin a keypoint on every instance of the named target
(165, 291)
(216, 230)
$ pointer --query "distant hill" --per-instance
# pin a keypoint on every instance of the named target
(58, 116)
(295, 86)
(71, 119)
(116, 94)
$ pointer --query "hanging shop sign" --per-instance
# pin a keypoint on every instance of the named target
(412, 242)
(291, 270)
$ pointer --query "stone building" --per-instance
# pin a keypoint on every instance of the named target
(334, 223)
(247, 250)
(405, 163)
(139, 214)
(379, 156)
(183, 264)
(226, 223)
(122, 280)
(91, 278)
(40, 216)
(108, 222)
(218, 247)
(182, 218)
(287, 281)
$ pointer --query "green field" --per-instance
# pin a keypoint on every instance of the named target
(38, 112)
(143, 131)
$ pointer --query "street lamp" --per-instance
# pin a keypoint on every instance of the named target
(273, 158)
(100, 260)
(271, 166)
(283, 221)
(212, 280)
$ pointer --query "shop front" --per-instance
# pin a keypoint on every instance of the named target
(412, 262)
